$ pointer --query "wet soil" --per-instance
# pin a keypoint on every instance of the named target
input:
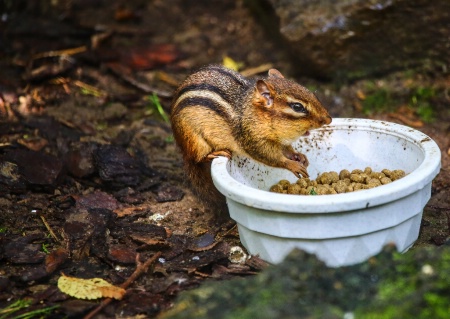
(90, 178)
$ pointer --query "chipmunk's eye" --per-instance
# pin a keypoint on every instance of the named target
(298, 107)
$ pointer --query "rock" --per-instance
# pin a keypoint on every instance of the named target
(23, 250)
(86, 231)
(10, 179)
(168, 193)
(34, 168)
(97, 199)
(122, 254)
(389, 285)
(79, 160)
(355, 38)
(116, 166)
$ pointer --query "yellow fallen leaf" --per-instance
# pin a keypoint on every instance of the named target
(89, 288)
(231, 64)
(360, 94)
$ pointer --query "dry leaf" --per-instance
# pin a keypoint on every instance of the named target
(35, 144)
(89, 288)
(150, 241)
(407, 115)
(360, 94)
(231, 64)
(55, 259)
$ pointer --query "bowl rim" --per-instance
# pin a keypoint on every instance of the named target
(415, 181)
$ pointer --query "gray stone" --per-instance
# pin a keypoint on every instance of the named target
(390, 285)
(356, 38)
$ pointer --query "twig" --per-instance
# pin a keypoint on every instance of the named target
(125, 74)
(91, 89)
(140, 269)
(49, 229)
(256, 70)
(70, 51)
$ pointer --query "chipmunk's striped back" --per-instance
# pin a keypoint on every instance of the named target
(213, 87)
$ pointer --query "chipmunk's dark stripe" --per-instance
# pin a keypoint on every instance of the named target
(291, 117)
(204, 87)
(236, 77)
(203, 102)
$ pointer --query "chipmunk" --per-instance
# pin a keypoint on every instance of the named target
(217, 112)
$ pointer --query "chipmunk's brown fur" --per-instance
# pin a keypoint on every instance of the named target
(217, 112)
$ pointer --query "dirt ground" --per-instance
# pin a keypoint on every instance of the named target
(90, 178)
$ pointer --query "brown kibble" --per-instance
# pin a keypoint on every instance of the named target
(284, 183)
(277, 188)
(334, 176)
(324, 179)
(386, 172)
(397, 174)
(322, 190)
(304, 191)
(373, 182)
(340, 187)
(294, 189)
(357, 178)
(344, 174)
(377, 175)
(303, 182)
(334, 183)
(365, 177)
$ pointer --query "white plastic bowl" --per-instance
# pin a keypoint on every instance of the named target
(341, 229)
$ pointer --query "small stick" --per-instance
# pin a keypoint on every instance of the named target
(49, 229)
(256, 70)
(92, 89)
(55, 53)
(140, 268)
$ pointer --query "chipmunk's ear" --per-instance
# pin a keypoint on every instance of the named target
(275, 73)
(264, 94)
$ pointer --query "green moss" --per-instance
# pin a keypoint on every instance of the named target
(421, 101)
(417, 289)
(378, 101)
(389, 285)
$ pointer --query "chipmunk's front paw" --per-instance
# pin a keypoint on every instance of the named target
(299, 157)
(213, 155)
(297, 168)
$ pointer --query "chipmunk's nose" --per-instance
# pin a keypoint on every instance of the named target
(325, 120)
